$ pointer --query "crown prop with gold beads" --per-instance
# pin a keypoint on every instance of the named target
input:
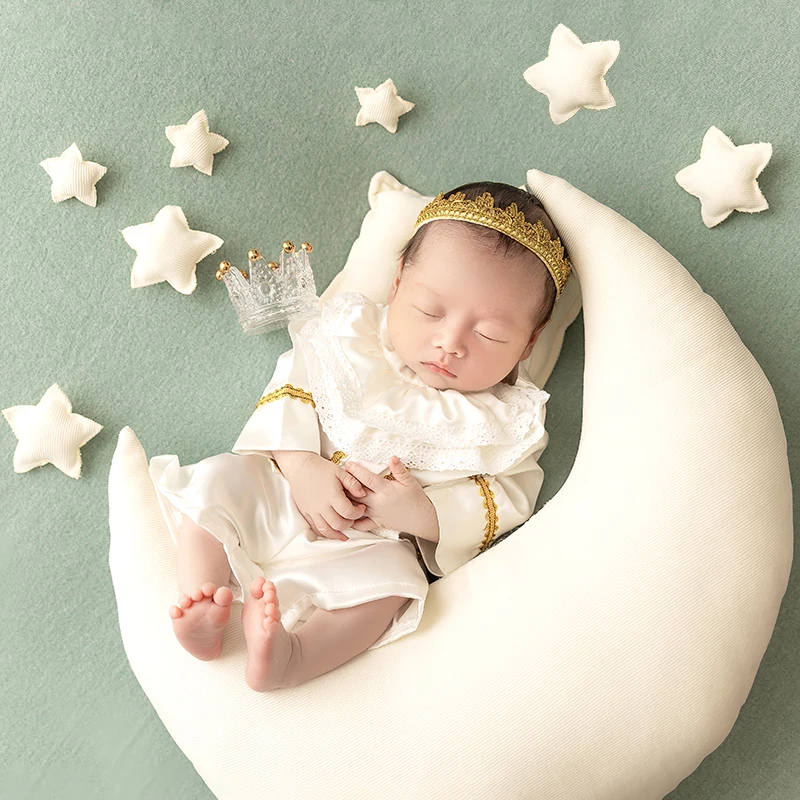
(274, 293)
(510, 221)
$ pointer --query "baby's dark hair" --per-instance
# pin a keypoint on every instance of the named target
(503, 194)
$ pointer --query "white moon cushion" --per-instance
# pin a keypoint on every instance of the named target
(601, 651)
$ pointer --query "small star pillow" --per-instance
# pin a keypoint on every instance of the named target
(73, 177)
(725, 177)
(49, 433)
(572, 74)
(382, 105)
(194, 145)
(168, 250)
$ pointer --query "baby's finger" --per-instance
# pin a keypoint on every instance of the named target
(365, 477)
(322, 526)
(353, 485)
(346, 508)
(337, 522)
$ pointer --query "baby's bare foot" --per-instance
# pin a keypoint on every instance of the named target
(269, 644)
(199, 620)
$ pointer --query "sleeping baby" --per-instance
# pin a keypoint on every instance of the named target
(394, 442)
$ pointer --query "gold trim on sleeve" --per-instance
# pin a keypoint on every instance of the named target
(491, 510)
(287, 390)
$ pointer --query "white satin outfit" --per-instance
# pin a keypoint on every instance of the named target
(344, 393)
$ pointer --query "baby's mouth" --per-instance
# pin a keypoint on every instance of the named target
(433, 367)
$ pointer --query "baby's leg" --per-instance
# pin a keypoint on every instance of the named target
(278, 659)
(203, 610)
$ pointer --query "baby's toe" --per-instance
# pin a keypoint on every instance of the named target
(271, 610)
(184, 601)
(223, 596)
(257, 586)
(175, 612)
(270, 621)
(269, 591)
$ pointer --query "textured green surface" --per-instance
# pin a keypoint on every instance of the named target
(277, 79)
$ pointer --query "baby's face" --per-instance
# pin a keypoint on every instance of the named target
(461, 305)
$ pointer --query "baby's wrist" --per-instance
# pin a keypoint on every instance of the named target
(289, 461)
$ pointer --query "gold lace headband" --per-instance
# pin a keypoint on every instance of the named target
(510, 221)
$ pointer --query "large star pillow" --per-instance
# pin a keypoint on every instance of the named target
(572, 74)
(50, 433)
(725, 177)
(168, 250)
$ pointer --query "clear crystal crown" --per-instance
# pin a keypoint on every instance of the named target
(274, 293)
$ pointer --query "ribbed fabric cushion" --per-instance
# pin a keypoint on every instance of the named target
(602, 651)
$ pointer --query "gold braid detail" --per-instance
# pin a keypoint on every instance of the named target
(287, 390)
(510, 221)
(491, 510)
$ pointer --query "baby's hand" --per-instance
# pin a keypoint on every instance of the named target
(399, 504)
(319, 493)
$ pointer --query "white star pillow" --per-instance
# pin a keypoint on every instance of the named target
(49, 433)
(194, 145)
(73, 177)
(167, 250)
(572, 74)
(725, 177)
(382, 105)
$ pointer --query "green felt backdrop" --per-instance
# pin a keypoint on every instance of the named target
(277, 79)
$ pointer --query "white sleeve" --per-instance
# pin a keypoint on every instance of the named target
(285, 416)
(474, 511)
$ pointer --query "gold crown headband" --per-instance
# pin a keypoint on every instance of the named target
(510, 221)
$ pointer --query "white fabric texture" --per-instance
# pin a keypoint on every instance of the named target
(73, 176)
(167, 249)
(572, 74)
(620, 628)
(194, 145)
(382, 105)
(725, 177)
(50, 433)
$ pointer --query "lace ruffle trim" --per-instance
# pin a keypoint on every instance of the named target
(374, 433)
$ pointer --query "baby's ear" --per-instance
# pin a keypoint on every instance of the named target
(395, 283)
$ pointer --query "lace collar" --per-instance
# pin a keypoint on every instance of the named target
(372, 405)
